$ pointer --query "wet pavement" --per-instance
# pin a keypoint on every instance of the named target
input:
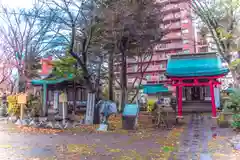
(198, 139)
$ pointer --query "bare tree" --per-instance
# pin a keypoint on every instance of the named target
(78, 19)
(6, 68)
(27, 36)
(221, 17)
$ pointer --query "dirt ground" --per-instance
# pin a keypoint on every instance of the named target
(197, 138)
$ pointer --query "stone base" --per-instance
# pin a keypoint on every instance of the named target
(103, 127)
(33, 123)
(19, 122)
(214, 117)
(179, 117)
(13, 118)
(58, 125)
(42, 119)
(223, 124)
(22, 122)
(50, 125)
(235, 142)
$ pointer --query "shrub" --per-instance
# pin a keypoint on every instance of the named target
(34, 105)
(150, 104)
(236, 121)
(13, 106)
(233, 102)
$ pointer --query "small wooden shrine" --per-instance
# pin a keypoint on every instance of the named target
(195, 77)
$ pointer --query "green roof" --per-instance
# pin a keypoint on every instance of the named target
(229, 90)
(51, 81)
(154, 88)
(193, 65)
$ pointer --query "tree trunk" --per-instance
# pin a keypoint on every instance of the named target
(235, 79)
(123, 81)
(110, 83)
(74, 97)
(21, 83)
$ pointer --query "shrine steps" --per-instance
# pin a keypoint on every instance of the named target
(197, 107)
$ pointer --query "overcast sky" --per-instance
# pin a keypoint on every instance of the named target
(17, 3)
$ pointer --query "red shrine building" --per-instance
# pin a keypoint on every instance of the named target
(195, 78)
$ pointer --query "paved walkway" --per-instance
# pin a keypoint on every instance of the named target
(199, 139)
(203, 140)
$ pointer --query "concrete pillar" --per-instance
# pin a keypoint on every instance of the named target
(90, 108)
(56, 100)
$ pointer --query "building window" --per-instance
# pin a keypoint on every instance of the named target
(185, 41)
(148, 77)
(161, 77)
(178, 33)
(185, 21)
(177, 15)
(186, 51)
(161, 65)
(177, 23)
(185, 31)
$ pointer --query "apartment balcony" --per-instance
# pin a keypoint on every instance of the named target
(171, 16)
(171, 7)
(131, 69)
(156, 57)
(135, 82)
(155, 68)
(162, 1)
(168, 46)
(171, 26)
(167, 1)
(156, 78)
(150, 68)
(172, 36)
(131, 60)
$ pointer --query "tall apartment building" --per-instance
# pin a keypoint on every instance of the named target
(179, 38)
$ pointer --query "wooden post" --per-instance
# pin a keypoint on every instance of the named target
(180, 102)
(22, 111)
(44, 100)
(22, 100)
(214, 111)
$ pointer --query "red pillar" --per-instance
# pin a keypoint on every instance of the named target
(214, 110)
(179, 102)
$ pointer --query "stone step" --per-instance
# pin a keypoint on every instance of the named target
(197, 107)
